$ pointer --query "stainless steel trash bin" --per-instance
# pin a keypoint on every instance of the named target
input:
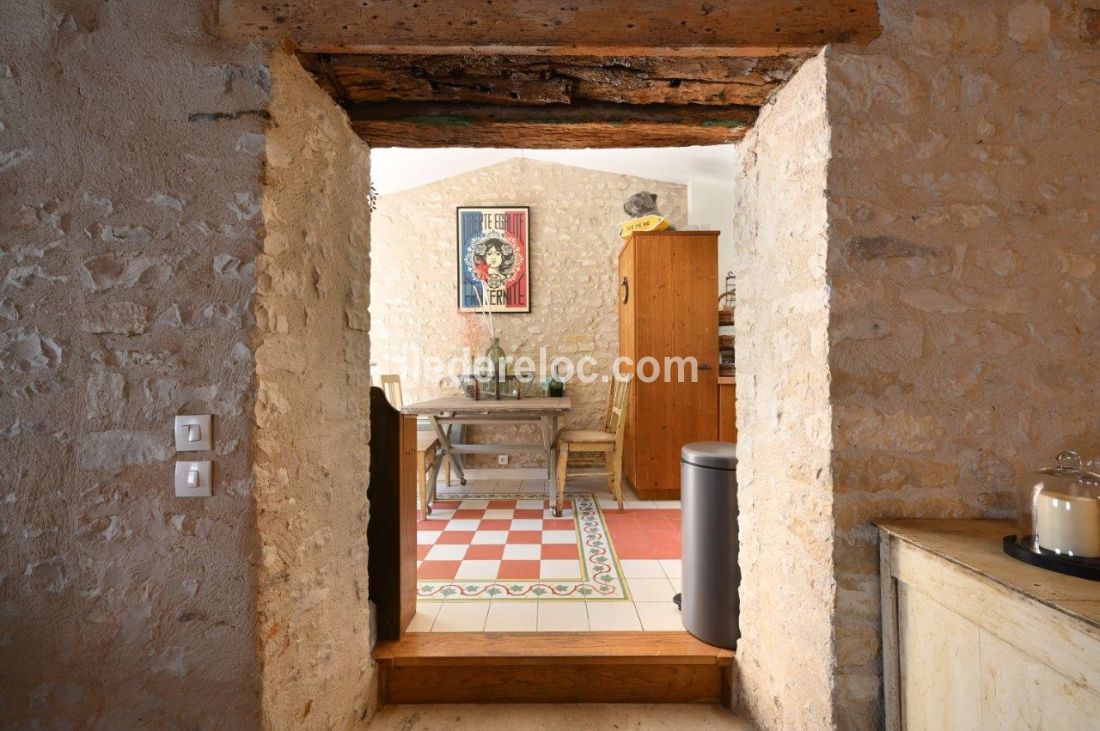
(710, 574)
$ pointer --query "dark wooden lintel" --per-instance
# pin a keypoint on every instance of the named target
(394, 124)
(533, 80)
(320, 66)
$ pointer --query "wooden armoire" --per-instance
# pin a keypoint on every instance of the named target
(667, 309)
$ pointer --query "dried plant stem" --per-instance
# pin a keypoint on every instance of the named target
(486, 311)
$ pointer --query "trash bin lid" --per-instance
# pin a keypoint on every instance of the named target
(716, 455)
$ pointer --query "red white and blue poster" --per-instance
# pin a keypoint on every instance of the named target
(494, 259)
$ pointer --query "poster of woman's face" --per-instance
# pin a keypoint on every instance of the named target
(494, 253)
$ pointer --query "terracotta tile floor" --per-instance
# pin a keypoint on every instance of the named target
(492, 557)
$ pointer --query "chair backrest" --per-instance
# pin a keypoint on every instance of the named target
(618, 400)
(391, 385)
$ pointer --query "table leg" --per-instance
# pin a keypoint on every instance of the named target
(428, 482)
(421, 486)
(445, 447)
(549, 437)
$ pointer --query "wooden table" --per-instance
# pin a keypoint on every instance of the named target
(442, 412)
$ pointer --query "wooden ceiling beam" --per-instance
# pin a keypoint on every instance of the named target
(604, 27)
(393, 124)
(539, 80)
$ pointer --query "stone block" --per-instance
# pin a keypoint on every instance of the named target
(116, 318)
(110, 271)
(105, 396)
(1089, 25)
(1029, 25)
(28, 350)
(112, 450)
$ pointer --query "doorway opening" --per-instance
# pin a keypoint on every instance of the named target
(493, 555)
(487, 103)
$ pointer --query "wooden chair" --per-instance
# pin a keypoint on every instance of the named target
(390, 383)
(607, 443)
(427, 444)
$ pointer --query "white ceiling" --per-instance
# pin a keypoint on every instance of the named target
(399, 168)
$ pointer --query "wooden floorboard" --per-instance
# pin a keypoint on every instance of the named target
(552, 647)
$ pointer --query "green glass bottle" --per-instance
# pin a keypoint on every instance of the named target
(556, 387)
(497, 365)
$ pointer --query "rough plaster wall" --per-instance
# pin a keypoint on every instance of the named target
(312, 432)
(128, 221)
(784, 657)
(964, 200)
(575, 214)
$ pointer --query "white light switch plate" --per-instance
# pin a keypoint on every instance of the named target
(204, 479)
(193, 434)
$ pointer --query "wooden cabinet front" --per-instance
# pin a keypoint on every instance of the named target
(391, 531)
(727, 410)
(669, 321)
(973, 639)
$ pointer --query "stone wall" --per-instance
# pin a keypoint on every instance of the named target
(907, 355)
(961, 281)
(575, 214)
(784, 437)
(312, 399)
(131, 153)
(964, 245)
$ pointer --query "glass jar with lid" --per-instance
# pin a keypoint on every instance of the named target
(1058, 517)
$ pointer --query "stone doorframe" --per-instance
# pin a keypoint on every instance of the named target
(583, 97)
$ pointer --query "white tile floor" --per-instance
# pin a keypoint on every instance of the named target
(651, 582)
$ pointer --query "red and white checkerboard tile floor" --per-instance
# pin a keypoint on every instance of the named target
(499, 560)
(485, 539)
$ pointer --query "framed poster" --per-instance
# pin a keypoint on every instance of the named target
(494, 259)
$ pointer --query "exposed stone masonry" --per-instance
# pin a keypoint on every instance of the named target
(963, 252)
(784, 439)
(960, 272)
(311, 458)
(122, 606)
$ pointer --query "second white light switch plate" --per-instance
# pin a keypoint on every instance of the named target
(193, 479)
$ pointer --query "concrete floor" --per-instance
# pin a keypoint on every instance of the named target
(521, 717)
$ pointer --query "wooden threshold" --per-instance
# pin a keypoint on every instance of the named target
(551, 667)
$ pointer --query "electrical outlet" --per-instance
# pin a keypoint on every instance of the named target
(502, 459)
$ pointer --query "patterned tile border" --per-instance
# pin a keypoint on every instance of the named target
(603, 577)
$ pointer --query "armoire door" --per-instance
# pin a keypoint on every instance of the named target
(695, 264)
(675, 321)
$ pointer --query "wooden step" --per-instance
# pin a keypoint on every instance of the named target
(553, 667)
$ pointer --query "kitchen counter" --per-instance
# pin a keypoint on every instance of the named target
(976, 545)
